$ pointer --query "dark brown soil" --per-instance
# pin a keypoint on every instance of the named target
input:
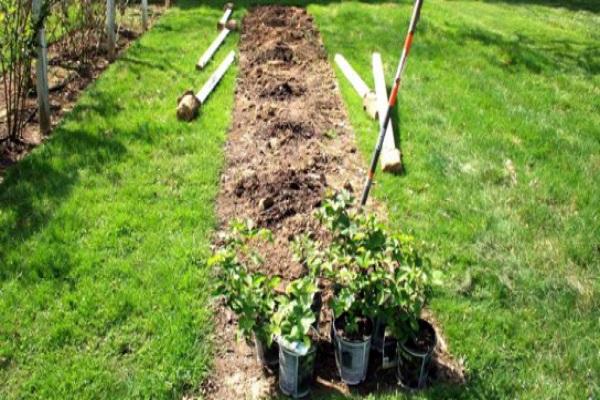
(365, 329)
(289, 143)
(423, 341)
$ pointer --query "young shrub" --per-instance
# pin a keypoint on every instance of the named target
(250, 295)
(17, 48)
(293, 323)
(294, 318)
(408, 281)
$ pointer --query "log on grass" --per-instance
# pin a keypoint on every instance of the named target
(390, 155)
(228, 10)
(189, 104)
(361, 88)
(212, 49)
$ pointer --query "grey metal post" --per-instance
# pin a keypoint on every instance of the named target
(110, 29)
(41, 68)
(145, 14)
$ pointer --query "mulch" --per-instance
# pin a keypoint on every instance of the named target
(290, 143)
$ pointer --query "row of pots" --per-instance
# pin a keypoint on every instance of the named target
(296, 364)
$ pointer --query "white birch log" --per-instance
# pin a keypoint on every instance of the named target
(390, 155)
(355, 80)
(224, 18)
(368, 97)
(212, 49)
(41, 73)
(189, 104)
(214, 79)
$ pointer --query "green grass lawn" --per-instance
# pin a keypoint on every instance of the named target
(493, 88)
(103, 229)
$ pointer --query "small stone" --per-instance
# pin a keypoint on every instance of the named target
(265, 203)
(273, 143)
(348, 186)
(248, 174)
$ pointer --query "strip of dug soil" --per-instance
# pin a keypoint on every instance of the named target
(290, 141)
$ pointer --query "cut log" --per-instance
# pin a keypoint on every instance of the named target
(390, 155)
(224, 18)
(189, 104)
(368, 97)
(355, 80)
(212, 49)
(214, 79)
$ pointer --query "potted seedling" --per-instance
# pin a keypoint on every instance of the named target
(354, 255)
(250, 295)
(408, 282)
(307, 252)
(293, 327)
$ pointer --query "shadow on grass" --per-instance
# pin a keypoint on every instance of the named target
(187, 4)
(36, 187)
(575, 5)
(536, 54)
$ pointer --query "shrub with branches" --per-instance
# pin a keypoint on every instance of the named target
(16, 51)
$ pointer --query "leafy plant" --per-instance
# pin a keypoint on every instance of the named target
(293, 320)
(251, 295)
(376, 274)
(408, 281)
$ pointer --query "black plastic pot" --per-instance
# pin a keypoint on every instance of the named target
(384, 344)
(351, 356)
(414, 359)
(268, 356)
(296, 370)
(316, 306)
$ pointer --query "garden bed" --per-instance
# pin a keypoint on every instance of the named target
(289, 143)
(68, 76)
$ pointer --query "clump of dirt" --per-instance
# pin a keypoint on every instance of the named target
(282, 91)
(289, 143)
(279, 52)
(283, 132)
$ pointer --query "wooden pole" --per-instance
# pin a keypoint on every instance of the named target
(189, 104)
(224, 18)
(355, 80)
(390, 155)
(208, 87)
(212, 49)
(392, 101)
(41, 75)
(111, 37)
(145, 15)
(167, 3)
(368, 97)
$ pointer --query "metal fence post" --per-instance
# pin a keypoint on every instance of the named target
(41, 68)
(110, 29)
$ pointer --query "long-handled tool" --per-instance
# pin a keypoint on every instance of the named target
(392, 101)
(391, 158)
